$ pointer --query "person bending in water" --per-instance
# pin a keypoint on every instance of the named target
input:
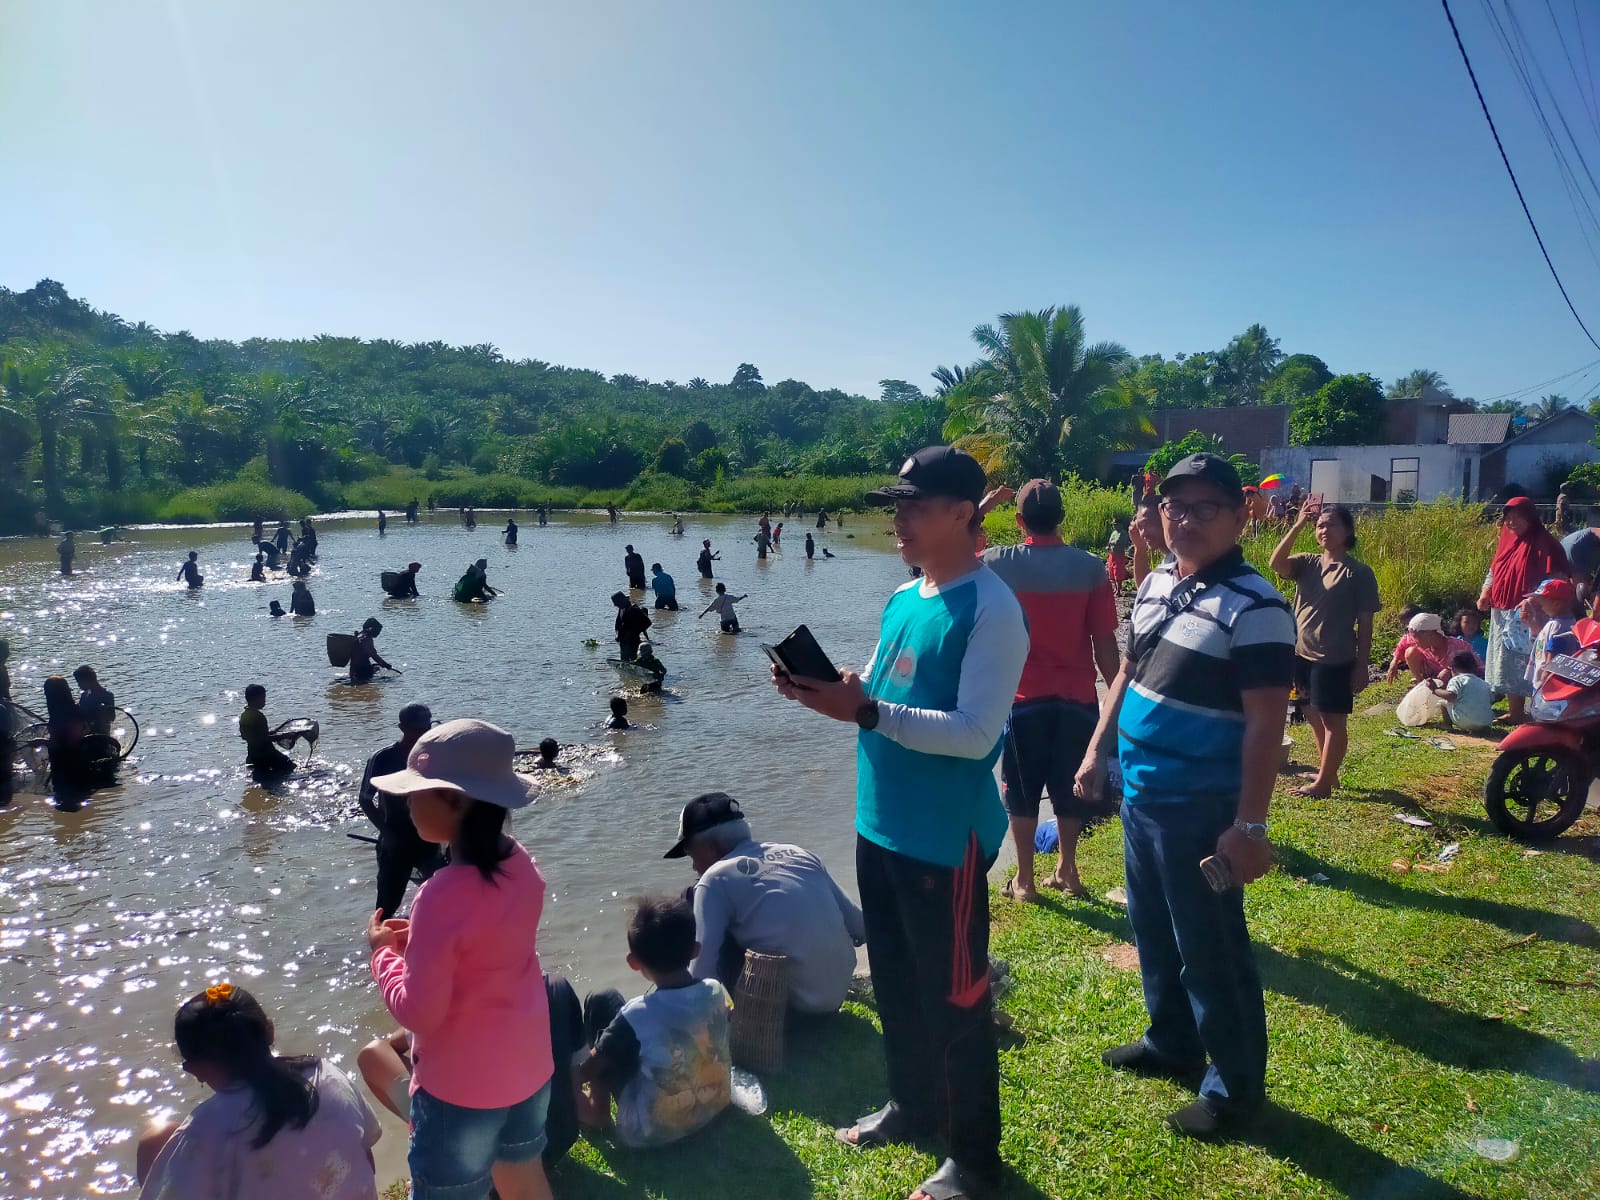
(190, 571)
(364, 657)
(723, 606)
(510, 531)
(403, 584)
(706, 559)
(268, 551)
(619, 714)
(633, 563)
(261, 744)
(401, 849)
(96, 705)
(648, 660)
(274, 1127)
(665, 589)
(474, 585)
(632, 625)
(300, 602)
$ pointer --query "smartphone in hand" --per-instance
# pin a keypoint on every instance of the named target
(1219, 873)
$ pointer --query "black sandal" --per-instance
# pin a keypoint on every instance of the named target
(950, 1182)
(883, 1128)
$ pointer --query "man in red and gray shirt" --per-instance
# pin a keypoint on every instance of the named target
(1072, 631)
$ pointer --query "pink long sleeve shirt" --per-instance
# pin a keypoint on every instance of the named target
(469, 986)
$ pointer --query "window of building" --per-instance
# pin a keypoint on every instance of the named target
(1403, 474)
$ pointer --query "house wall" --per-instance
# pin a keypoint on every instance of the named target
(1346, 473)
(1527, 463)
(1248, 430)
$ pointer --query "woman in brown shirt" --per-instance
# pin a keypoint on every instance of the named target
(1335, 599)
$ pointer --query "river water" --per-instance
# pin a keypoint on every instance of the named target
(189, 873)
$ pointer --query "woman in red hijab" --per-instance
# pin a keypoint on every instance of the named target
(1526, 556)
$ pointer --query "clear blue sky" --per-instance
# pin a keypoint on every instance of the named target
(834, 191)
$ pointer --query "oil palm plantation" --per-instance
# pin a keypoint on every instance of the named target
(41, 385)
(1043, 400)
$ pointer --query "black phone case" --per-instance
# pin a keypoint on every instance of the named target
(803, 657)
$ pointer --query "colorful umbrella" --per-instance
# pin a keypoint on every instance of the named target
(1273, 481)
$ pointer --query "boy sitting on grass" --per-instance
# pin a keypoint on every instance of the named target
(1468, 699)
(665, 1055)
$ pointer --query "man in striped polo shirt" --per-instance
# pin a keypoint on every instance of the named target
(931, 707)
(1197, 712)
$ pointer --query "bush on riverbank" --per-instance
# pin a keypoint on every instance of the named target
(237, 500)
(1091, 510)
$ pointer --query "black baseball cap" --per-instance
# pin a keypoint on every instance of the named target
(1212, 468)
(936, 471)
(1040, 504)
(700, 814)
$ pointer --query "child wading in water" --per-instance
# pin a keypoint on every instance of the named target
(463, 973)
(276, 1127)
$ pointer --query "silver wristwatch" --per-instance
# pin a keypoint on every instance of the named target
(1256, 831)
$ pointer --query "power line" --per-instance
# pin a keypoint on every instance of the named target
(1473, 75)
(1515, 393)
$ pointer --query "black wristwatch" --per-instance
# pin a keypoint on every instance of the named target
(867, 714)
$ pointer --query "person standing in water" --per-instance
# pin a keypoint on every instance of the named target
(722, 604)
(706, 559)
(96, 705)
(261, 745)
(256, 530)
(632, 624)
(257, 573)
(364, 658)
(282, 537)
(383, 522)
(811, 547)
(300, 602)
(763, 540)
(611, 511)
(665, 589)
(544, 514)
(633, 563)
(822, 518)
(190, 571)
(67, 550)
(401, 849)
(510, 531)
(411, 512)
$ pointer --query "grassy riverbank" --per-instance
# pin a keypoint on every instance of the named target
(1415, 1006)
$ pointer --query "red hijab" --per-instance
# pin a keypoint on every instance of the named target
(1523, 561)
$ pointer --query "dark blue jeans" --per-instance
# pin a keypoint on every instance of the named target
(1201, 985)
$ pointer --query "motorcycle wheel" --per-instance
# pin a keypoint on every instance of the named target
(1535, 795)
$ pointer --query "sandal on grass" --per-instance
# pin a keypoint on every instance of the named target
(950, 1182)
(1009, 890)
(883, 1128)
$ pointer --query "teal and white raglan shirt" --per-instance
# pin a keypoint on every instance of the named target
(944, 674)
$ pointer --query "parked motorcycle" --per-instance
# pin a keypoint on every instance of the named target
(1540, 781)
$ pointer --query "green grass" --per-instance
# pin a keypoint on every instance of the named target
(238, 500)
(1090, 513)
(1411, 1010)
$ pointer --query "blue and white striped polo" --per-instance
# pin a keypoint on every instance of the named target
(1195, 645)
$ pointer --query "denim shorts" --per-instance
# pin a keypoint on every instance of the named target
(452, 1148)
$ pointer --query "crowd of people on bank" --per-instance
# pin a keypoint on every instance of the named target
(987, 655)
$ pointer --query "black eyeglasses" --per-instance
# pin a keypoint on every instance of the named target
(1202, 510)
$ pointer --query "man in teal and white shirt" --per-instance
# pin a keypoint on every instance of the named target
(932, 706)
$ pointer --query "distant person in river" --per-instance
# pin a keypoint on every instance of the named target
(282, 538)
(474, 586)
(256, 530)
(811, 547)
(411, 512)
(383, 522)
(722, 604)
(611, 511)
(632, 624)
(822, 518)
(509, 533)
(763, 541)
(665, 589)
(769, 897)
(300, 556)
(261, 751)
(472, 518)
(274, 1126)
(401, 585)
(308, 535)
(633, 563)
(706, 559)
(401, 849)
(268, 550)
(8, 725)
(258, 572)
(67, 550)
(96, 705)
(619, 714)
(300, 602)
(190, 571)
(549, 748)
(80, 756)
(544, 514)
(276, 609)
(364, 657)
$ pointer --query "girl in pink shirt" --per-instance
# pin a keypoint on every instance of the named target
(463, 973)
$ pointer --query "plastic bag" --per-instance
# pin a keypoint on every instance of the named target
(1418, 707)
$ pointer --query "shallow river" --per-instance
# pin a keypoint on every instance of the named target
(188, 873)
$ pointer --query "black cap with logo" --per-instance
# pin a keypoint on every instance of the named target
(1212, 469)
(936, 471)
(700, 814)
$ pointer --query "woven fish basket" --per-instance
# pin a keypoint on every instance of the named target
(760, 1002)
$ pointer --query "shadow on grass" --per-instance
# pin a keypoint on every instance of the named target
(1352, 1169)
(812, 1081)
(1382, 1009)
(1384, 893)
(735, 1157)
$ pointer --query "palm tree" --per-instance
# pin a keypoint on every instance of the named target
(1413, 382)
(1041, 399)
(1548, 406)
(948, 378)
(42, 386)
(1250, 358)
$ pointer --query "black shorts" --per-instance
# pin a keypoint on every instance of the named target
(1044, 745)
(1325, 686)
